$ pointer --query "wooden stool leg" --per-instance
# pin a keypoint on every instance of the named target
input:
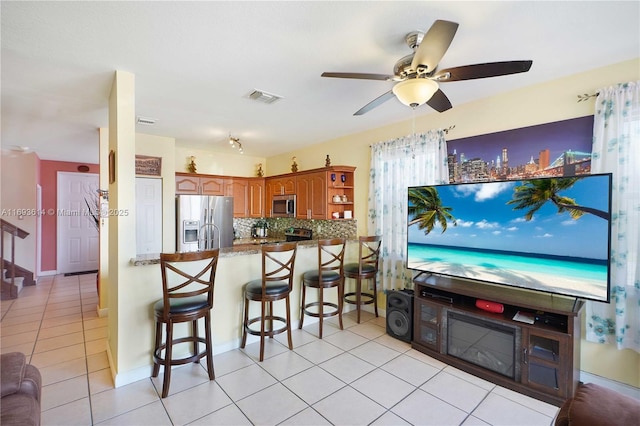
(156, 365)
(303, 290)
(340, 302)
(262, 324)
(358, 297)
(289, 323)
(194, 328)
(209, 343)
(246, 323)
(271, 319)
(375, 297)
(320, 308)
(167, 360)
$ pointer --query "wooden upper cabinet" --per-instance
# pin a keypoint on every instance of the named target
(238, 189)
(284, 185)
(320, 193)
(187, 185)
(311, 196)
(212, 186)
(202, 185)
(256, 198)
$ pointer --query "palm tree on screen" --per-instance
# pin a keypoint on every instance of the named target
(533, 194)
(426, 209)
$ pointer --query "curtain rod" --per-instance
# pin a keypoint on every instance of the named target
(446, 131)
(587, 96)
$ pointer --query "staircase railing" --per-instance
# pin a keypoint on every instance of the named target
(14, 231)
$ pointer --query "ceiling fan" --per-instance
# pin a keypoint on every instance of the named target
(417, 75)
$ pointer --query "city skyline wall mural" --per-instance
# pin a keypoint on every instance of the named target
(561, 148)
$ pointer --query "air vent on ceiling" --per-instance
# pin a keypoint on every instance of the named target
(262, 96)
(146, 121)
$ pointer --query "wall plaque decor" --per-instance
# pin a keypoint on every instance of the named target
(112, 166)
(150, 166)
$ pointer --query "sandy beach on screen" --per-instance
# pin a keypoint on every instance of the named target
(538, 280)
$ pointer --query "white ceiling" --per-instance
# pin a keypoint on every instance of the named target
(195, 62)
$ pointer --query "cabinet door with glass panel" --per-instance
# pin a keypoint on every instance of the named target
(427, 324)
(545, 360)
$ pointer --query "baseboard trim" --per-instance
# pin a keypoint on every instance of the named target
(623, 388)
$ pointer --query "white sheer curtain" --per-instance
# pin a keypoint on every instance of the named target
(419, 159)
(616, 149)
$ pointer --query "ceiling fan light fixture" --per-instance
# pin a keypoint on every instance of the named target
(416, 91)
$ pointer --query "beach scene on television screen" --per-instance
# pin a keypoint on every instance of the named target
(546, 234)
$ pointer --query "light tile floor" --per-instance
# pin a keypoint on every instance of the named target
(356, 376)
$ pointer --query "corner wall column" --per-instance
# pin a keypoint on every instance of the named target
(121, 226)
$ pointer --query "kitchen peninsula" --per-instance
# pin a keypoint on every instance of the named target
(236, 266)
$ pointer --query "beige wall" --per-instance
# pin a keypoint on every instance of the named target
(218, 163)
(20, 173)
(122, 229)
(139, 286)
(103, 268)
(548, 102)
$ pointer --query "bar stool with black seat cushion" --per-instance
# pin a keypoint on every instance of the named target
(330, 274)
(366, 268)
(187, 295)
(276, 284)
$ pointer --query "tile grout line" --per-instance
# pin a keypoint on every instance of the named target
(86, 357)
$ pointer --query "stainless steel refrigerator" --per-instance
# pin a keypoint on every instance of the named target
(203, 222)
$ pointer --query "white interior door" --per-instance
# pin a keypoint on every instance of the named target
(148, 215)
(78, 242)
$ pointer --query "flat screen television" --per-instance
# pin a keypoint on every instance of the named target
(544, 234)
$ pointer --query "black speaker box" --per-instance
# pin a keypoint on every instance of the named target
(400, 314)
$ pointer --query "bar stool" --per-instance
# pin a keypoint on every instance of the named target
(276, 284)
(186, 297)
(330, 273)
(366, 268)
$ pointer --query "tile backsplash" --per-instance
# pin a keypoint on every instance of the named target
(344, 228)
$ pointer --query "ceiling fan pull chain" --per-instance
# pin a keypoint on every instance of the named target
(413, 131)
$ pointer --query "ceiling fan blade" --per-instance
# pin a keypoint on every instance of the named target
(374, 103)
(357, 75)
(439, 101)
(434, 45)
(491, 69)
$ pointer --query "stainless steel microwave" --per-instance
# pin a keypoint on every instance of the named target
(283, 206)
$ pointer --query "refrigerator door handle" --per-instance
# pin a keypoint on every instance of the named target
(204, 232)
(210, 233)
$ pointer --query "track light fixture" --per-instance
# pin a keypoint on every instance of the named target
(235, 143)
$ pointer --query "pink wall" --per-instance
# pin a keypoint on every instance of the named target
(49, 183)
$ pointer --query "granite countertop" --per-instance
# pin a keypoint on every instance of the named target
(241, 247)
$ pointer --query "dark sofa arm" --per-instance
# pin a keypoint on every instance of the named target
(12, 368)
(595, 405)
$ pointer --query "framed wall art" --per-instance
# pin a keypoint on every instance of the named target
(148, 166)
